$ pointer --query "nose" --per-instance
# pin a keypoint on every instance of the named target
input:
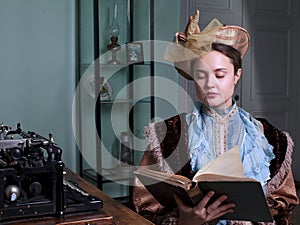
(211, 80)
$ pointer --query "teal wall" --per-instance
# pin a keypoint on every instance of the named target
(167, 23)
(37, 68)
(38, 60)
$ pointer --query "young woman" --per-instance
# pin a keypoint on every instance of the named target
(192, 140)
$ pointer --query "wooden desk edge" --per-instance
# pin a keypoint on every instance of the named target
(120, 213)
(96, 217)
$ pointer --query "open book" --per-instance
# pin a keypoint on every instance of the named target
(246, 193)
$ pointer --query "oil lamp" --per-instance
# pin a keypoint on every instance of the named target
(114, 32)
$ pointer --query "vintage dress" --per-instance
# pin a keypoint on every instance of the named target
(212, 132)
(167, 137)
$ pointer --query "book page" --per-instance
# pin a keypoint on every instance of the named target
(156, 176)
(227, 164)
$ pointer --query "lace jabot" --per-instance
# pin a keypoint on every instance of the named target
(213, 132)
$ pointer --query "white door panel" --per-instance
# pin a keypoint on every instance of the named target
(266, 82)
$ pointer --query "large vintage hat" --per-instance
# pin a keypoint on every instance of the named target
(193, 44)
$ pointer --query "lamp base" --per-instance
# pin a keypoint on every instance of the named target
(114, 62)
(114, 47)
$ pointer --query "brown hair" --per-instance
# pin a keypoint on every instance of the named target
(231, 53)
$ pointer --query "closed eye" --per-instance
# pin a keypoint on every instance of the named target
(200, 74)
(220, 73)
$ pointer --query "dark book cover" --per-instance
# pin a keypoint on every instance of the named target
(247, 194)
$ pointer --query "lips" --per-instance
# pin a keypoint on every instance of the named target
(211, 95)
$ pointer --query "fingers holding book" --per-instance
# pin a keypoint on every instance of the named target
(206, 210)
(217, 208)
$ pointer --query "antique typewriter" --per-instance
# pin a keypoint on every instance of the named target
(32, 181)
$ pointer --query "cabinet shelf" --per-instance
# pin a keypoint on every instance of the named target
(109, 175)
(103, 65)
(124, 101)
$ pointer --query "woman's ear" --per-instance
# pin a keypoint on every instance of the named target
(237, 76)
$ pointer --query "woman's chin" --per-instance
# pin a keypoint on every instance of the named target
(215, 104)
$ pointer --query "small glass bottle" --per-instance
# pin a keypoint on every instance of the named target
(125, 148)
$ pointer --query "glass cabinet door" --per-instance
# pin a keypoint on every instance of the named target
(113, 95)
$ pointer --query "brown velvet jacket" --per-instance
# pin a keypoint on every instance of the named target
(165, 140)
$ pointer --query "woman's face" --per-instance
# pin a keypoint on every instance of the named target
(215, 79)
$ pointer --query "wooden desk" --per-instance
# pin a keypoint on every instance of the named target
(112, 213)
(120, 213)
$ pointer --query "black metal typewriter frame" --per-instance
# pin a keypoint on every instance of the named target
(33, 159)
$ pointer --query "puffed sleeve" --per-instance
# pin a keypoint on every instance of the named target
(142, 199)
(281, 191)
(282, 199)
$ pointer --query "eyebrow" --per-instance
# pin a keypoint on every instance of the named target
(220, 69)
(205, 71)
(200, 70)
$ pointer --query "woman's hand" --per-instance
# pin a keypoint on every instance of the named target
(203, 213)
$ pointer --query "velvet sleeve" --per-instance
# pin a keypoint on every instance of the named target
(281, 191)
(142, 199)
(282, 199)
(145, 204)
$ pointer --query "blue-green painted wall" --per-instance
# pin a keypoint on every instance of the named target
(38, 61)
(37, 68)
(167, 23)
